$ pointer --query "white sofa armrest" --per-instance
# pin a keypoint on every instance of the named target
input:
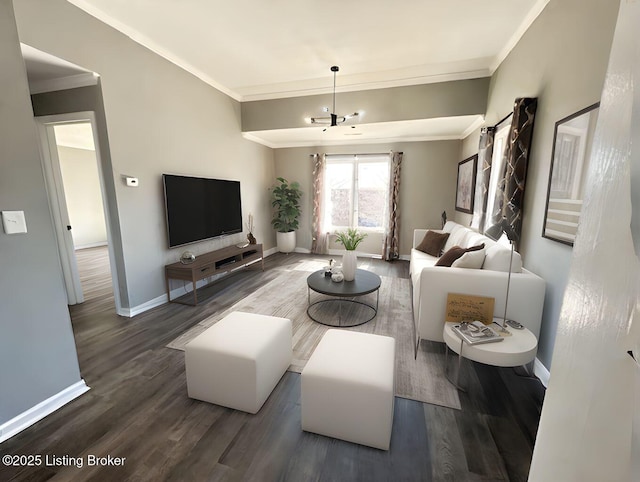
(526, 296)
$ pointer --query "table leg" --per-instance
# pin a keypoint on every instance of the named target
(446, 367)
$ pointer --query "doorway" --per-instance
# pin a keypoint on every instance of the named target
(75, 186)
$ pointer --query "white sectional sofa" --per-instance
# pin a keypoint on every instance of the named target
(431, 283)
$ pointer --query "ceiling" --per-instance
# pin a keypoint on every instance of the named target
(255, 50)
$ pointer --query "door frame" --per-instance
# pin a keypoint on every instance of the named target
(58, 206)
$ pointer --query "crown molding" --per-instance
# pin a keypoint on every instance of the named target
(518, 34)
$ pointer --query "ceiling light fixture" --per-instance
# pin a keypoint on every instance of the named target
(333, 119)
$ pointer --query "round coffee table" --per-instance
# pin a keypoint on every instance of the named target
(342, 310)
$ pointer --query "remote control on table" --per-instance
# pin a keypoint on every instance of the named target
(515, 324)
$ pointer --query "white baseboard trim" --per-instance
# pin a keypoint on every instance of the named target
(146, 306)
(90, 245)
(38, 412)
(541, 372)
(269, 252)
(405, 257)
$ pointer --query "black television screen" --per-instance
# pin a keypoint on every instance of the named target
(200, 208)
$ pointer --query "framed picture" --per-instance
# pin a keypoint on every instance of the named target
(572, 141)
(466, 187)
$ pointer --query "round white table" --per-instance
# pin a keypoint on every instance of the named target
(515, 350)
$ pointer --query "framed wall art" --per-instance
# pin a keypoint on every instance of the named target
(466, 186)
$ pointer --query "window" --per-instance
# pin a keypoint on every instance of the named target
(497, 168)
(356, 191)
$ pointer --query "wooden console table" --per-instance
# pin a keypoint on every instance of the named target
(211, 264)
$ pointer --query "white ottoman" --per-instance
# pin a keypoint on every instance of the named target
(348, 388)
(239, 360)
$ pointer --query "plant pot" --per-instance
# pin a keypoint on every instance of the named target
(286, 241)
(349, 265)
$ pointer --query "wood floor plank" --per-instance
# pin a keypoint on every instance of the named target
(138, 407)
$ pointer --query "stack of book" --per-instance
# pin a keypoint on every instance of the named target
(476, 332)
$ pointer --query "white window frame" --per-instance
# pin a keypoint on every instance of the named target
(354, 160)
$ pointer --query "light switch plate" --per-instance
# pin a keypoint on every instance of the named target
(14, 222)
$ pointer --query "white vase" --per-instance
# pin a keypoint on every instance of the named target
(349, 265)
(286, 241)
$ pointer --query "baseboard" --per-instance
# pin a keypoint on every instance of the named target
(90, 245)
(269, 252)
(41, 410)
(540, 371)
(146, 306)
(405, 257)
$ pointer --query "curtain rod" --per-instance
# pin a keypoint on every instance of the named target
(503, 119)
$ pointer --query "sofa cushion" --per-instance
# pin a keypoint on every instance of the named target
(470, 259)
(432, 243)
(497, 259)
(456, 252)
(456, 238)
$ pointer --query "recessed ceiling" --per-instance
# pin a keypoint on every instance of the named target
(256, 49)
(445, 128)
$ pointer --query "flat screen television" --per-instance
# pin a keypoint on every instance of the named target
(200, 208)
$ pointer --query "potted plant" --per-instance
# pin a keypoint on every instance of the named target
(350, 240)
(285, 200)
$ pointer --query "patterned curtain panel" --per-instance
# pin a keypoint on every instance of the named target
(391, 241)
(507, 215)
(485, 153)
(319, 239)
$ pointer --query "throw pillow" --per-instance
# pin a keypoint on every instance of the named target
(470, 259)
(498, 258)
(432, 243)
(456, 252)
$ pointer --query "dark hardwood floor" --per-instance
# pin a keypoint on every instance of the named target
(138, 408)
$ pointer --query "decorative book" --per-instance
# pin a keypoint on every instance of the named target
(475, 333)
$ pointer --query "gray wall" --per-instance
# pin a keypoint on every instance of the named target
(562, 60)
(429, 169)
(37, 352)
(444, 99)
(160, 119)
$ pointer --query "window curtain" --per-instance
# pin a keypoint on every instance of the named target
(391, 240)
(319, 238)
(485, 154)
(507, 214)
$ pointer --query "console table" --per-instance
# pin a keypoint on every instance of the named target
(211, 264)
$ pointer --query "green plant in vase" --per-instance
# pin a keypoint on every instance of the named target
(350, 239)
(285, 200)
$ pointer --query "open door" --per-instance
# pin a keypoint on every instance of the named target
(59, 212)
(61, 136)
